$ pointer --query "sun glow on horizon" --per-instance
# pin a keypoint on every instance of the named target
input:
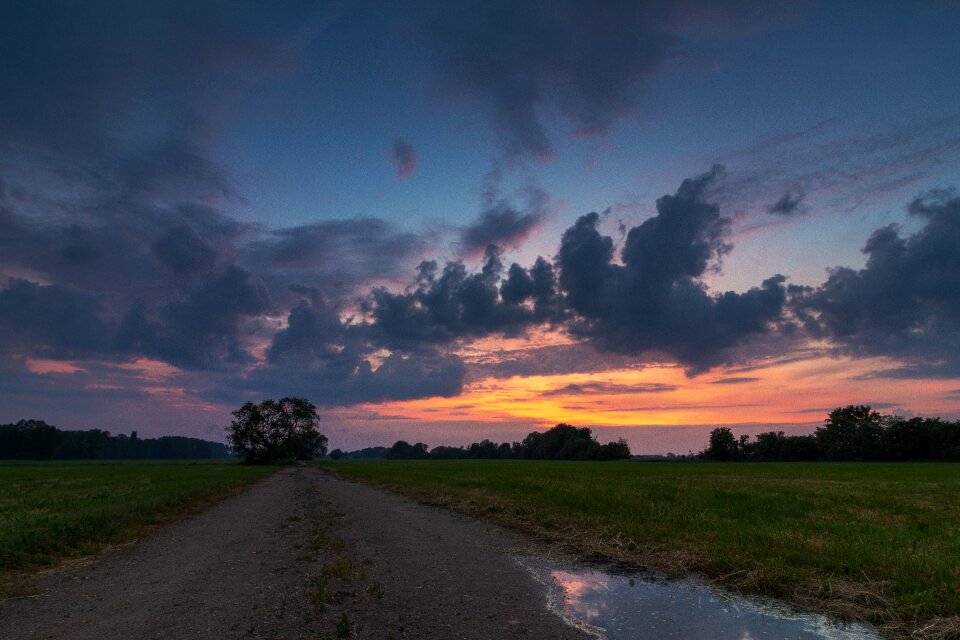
(790, 393)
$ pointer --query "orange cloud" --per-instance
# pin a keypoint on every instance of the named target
(45, 366)
(787, 393)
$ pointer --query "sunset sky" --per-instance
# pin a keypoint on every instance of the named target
(461, 220)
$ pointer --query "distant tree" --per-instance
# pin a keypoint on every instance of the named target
(723, 446)
(800, 449)
(854, 432)
(274, 431)
(562, 442)
(367, 453)
(485, 449)
(767, 447)
(37, 440)
(618, 450)
(42, 441)
(448, 453)
(403, 450)
(336, 454)
(851, 433)
(29, 440)
(920, 439)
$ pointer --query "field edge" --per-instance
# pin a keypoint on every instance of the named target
(844, 599)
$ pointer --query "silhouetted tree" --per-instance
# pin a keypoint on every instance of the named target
(485, 449)
(723, 446)
(368, 453)
(774, 445)
(618, 450)
(562, 442)
(403, 450)
(274, 431)
(29, 440)
(37, 440)
(854, 432)
(850, 433)
(448, 453)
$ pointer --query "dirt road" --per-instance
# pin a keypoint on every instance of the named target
(299, 555)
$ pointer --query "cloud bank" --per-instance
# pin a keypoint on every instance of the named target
(189, 286)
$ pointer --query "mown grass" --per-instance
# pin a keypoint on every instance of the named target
(52, 511)
(878, 542)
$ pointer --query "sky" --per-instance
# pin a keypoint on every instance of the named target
(450, 221)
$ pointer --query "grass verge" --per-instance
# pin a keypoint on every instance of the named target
(54, 511)
(876, 542)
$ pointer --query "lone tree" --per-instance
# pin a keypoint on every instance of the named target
(723, 446)
(853, 432)
(275, 431)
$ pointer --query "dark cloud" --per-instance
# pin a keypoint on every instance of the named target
(53, 320)
(450, 304)
(116, 238)
(331, 362)
(735, 380)
(675, 407)
(115, 106)
(120, 250)
(203, 330)
(537, 286)
(608, 388)
(133, 277)
(404, 157)
(905, 302)
(587, 61)
(182, 249)
(107, 117)
(336, 256)
(504, 225)
(549, 360)
(655, 301)
(519, 60)
(787, 205)
(77, 76)
(179, 282)
(175, 166)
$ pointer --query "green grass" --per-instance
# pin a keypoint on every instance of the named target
(879, 542)
(52, 511)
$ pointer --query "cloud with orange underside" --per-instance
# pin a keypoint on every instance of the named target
(788, 393)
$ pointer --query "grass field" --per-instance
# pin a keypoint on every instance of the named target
(879, 542)
(51, 511)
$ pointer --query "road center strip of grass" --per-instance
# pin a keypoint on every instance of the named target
(53, 511)
(878, 542)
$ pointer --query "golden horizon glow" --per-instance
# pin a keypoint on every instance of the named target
(789, 393)
(796, 390)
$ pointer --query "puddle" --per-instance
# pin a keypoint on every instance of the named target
(615, 606)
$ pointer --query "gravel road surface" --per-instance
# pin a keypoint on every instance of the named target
(301, 554)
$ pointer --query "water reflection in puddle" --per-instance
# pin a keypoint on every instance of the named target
(637, 606)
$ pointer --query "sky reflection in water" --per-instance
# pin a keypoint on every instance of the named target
(621, 607)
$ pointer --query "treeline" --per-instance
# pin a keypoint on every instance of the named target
(367, 453)
(851, 433)
(37, 440)
(562, 442)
